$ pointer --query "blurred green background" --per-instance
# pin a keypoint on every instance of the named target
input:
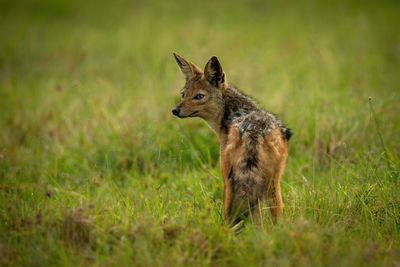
(94, 169)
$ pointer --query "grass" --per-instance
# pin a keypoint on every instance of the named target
(95, 170)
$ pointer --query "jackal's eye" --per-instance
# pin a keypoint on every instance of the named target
(183, 95)
(198, 96)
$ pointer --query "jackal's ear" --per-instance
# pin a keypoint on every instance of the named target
(214, 73)
(188, 68)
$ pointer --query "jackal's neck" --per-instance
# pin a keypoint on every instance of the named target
(235, 104)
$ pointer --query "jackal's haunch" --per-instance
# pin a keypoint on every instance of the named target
(253, 142)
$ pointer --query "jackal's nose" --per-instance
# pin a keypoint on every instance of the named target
(175, 111)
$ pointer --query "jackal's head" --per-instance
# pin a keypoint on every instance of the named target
(202, 93)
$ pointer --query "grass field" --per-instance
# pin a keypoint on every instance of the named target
(94, 169)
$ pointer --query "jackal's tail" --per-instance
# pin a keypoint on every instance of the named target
(247, 181)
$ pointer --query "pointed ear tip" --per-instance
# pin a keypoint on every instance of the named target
(214, 60)
(176, 55)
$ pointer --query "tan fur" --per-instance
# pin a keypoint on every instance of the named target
(273, 158)
(231, 154)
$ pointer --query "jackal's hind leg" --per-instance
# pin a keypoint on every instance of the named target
(275, 203)
(227, 202)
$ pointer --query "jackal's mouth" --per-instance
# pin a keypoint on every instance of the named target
(190, 115)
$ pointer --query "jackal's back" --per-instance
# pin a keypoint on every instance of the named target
(241, 111)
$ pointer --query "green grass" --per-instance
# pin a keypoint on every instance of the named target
(94, 169)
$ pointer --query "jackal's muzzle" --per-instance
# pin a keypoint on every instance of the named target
(176, 110)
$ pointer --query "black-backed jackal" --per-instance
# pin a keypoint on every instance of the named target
(253, 142)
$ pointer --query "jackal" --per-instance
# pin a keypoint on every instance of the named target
(253, 142)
